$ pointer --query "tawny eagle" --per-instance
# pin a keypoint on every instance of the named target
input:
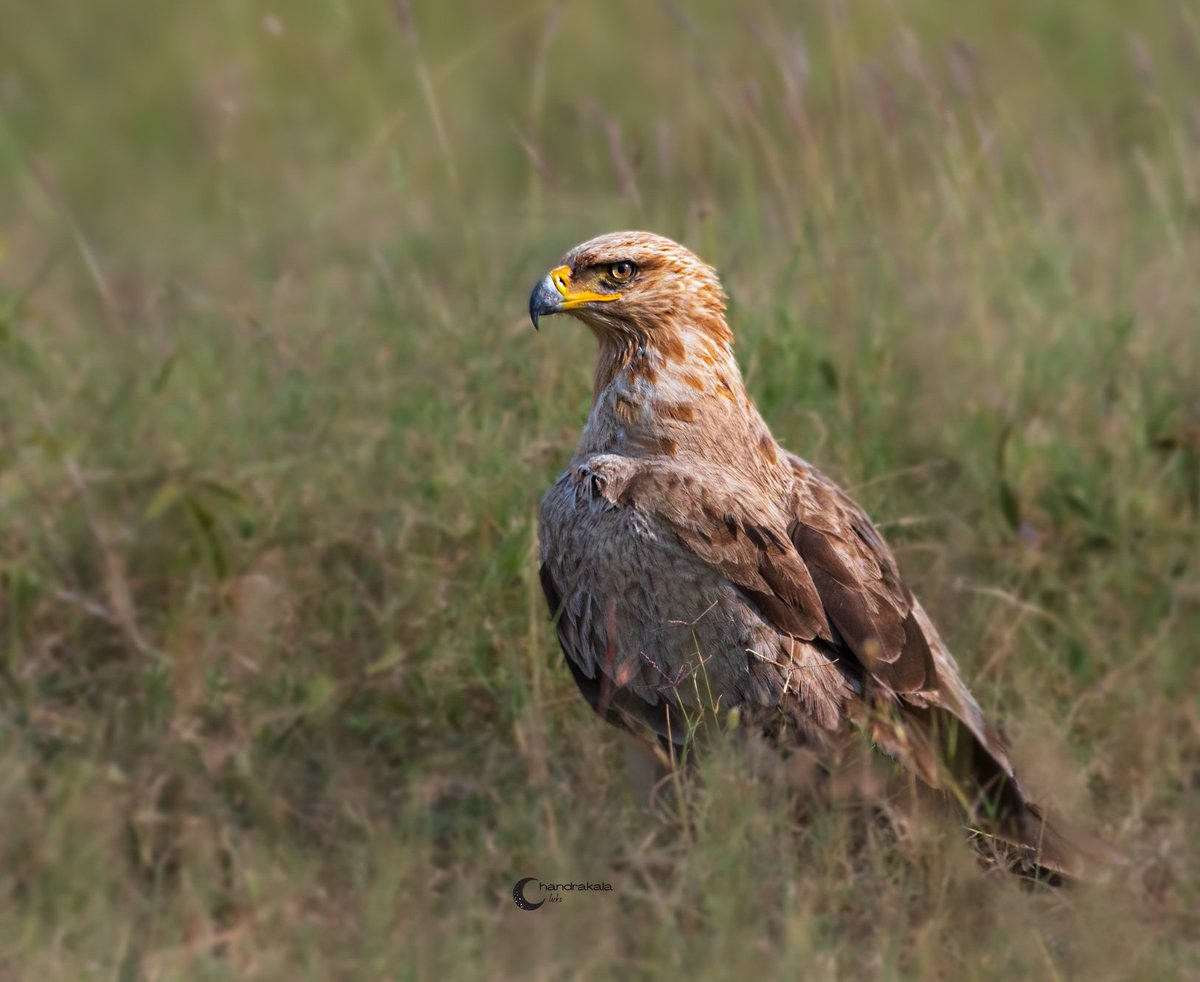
(694, 567)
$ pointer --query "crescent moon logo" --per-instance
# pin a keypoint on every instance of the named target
(519, 894)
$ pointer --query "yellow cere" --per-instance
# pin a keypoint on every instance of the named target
(561, 278)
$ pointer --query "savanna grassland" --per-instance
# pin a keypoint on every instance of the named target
(278, 693)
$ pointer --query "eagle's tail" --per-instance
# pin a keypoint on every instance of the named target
(944, 753)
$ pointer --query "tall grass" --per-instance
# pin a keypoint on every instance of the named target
(279, 695)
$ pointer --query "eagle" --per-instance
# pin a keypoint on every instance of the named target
(698, 572)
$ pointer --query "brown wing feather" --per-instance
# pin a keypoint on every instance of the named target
(752, 551)
(818, 571)
(859, 586)
(875, 613)
(935, 728)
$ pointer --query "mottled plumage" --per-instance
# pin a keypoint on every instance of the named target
(694, 567)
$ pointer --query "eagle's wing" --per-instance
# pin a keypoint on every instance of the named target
(922, 713)
(873, 611)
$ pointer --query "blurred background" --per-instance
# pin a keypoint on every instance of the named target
(278, 694)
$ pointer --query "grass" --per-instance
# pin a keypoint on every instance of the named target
(279, 694)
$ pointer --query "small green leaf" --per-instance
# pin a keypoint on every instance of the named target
(163, 375)
(389, 659)
(168, 493)
(1009, 504)
(206, 525)
(829, 373)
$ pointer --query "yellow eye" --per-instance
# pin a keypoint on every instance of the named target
(621, 271)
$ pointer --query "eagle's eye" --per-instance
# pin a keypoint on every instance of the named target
(621, 271)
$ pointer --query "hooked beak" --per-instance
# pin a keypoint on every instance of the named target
(553, 295)
(543, 300)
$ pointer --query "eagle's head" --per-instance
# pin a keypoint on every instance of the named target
(632, 286)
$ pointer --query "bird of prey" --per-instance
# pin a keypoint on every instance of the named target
(696, 569)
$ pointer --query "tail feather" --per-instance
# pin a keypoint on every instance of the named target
(949, 757)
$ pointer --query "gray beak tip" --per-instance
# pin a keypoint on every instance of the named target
(544, 299)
